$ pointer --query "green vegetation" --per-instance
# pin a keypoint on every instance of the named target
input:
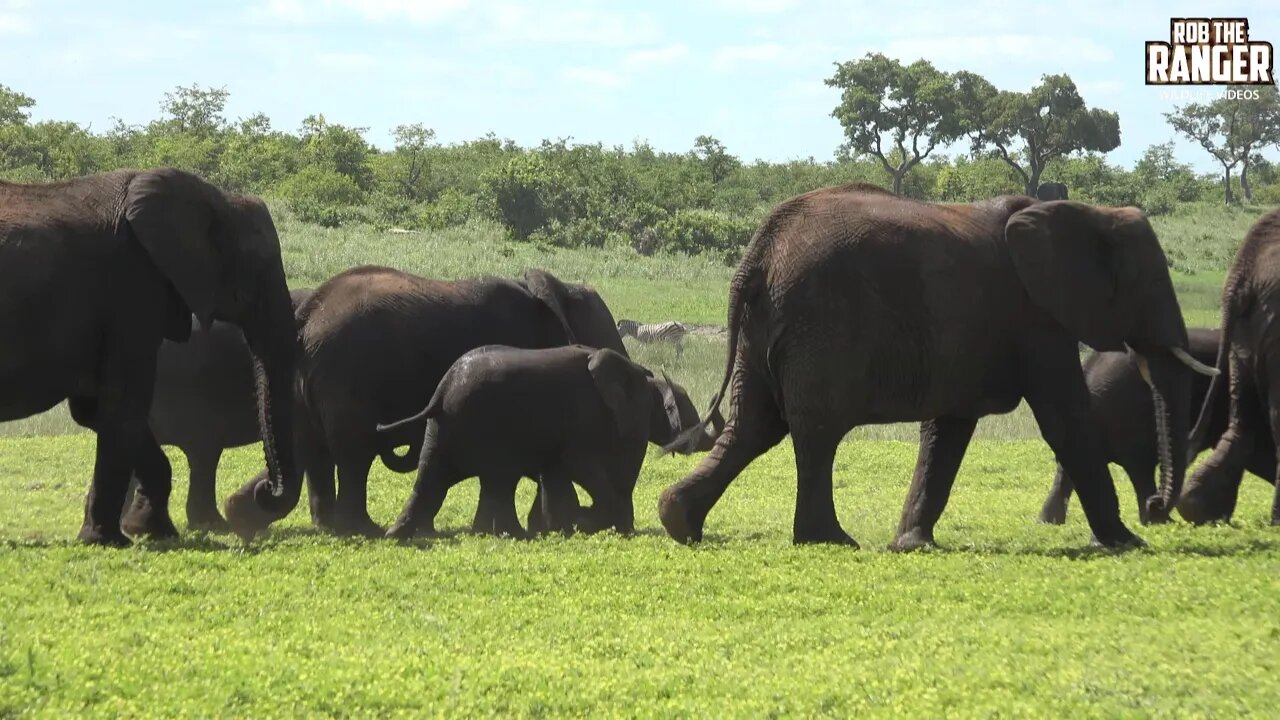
(1014, 618)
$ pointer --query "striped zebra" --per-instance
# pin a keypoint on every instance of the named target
(670, 331)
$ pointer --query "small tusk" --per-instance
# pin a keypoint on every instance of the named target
(1193, 363)
(1143, 368)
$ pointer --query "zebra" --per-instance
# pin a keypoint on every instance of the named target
(670, 331)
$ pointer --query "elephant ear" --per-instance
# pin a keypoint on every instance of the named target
(615, 378)
(1070, 259)
(554, 294)
(173, 215)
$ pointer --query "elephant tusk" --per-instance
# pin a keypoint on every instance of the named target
(1143, 368)
(1193, 363)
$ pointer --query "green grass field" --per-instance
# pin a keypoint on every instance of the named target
(1011, 618)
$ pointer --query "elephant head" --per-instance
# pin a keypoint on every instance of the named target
(1101, 274)
(579, 308)
(1052, 191)
(640, 403)
(221, 256)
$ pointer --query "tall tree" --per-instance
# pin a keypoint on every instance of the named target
(714, 157)
(412, 142)
(1028, 130)
(895, 113)
(14, 106)
(195, 110)
(1232, 130)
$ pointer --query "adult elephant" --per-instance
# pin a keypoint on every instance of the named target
(376, 342)
(1051, 191)
(854, 306)
(204, 403)
(1120, 400)
(96, 272)
(1249, 381)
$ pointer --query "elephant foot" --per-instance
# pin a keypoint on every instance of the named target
(1053, 514)
(683, 524)
(826, 535)
(105, 537)
(1120, 541)
(916, 538)
(210, 523)
(359, 527)
(401, 531)
(245, 517)
(146, 519)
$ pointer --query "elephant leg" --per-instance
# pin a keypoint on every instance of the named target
(149, 514)
(535, 522)
(319, 468)
(558, 502)
(1059, 401)
(754, 427)
(1054, 510)
(202, 492)
(126, 384)
(496, 510)
(429, 491)
(352, 512)
(1143, 479)
(815, 518)
(1213, 489)
(943, 442)
(1273, 415)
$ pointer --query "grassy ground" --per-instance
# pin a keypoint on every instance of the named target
(1013, 618)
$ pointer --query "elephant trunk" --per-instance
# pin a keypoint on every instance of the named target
(271, 333)
(1170, 381)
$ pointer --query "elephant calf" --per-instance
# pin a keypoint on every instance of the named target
(1122, 409)
(566, 414)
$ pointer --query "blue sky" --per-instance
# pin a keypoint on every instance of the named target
(749, 72)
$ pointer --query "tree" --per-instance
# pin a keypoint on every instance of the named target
(412, 142)
(1216, 126)
(338, 147)
(714, 157)
(911, 109)
(1029, 130)
(195, 110)
(14, 106)
(1258, 126)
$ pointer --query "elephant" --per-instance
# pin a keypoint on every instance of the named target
(1121, 407)
(852, 306)
(559, 415)
(1240, 416)
(96, 272)
(1052, 191)
(203, 403)
(375, 343)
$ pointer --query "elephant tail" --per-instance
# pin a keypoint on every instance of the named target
(1214, 411)
(747, 281)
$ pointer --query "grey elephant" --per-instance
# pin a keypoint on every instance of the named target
(376, 342)
(1120, 400)
(203, 404)
(1240, 417)
(854, 306)
(1052, 191)
(96, 272)
(560, 415)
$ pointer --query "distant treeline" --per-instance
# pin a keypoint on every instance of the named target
(560, 193)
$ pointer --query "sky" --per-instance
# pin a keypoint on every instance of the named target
(749, 72)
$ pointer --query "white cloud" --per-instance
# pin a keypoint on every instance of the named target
(954, 50)
(348, 61)
(15, 17)
(531, 23)
(302, 12)
(734, 55)
(754, 7)
(656, 56)
(596, 77)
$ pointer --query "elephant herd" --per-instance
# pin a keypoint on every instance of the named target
(156, 305)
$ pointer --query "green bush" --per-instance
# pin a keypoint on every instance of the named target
(1160, 200)
(322, 196)
(530, 194)
(454, 208)
(697, 231)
